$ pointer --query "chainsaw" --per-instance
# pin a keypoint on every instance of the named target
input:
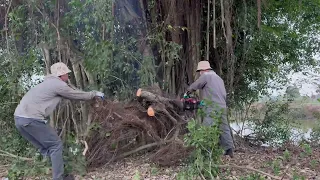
(191, 103)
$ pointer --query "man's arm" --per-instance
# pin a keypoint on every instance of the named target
(198, 84)
(67, 92)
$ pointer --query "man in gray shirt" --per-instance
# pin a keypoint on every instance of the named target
(212, 88)
(37, 104)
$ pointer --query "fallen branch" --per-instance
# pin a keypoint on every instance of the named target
(284, 174)
(142, 148)
(8, 103)
(7, 154)
(86, 147)
(248, 168)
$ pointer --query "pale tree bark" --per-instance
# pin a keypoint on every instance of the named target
(90, 76)
(208, 32)
(214, 24)
(46, 54)
(80, 82)
(6, 28)
(243, 61)
(230, 54)
(223, 19)
(192, 12)
(192, 48)
(197, 26)
(259, 13)
(217, 60)
(229, 47)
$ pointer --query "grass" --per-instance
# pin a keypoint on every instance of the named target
(305, 124)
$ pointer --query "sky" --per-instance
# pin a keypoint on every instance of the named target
(307, 84)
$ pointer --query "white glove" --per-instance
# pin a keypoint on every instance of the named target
(99, 94)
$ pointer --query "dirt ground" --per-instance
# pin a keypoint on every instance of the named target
(295, 163)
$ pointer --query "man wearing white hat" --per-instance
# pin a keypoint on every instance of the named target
(212, 88)
(37, 104)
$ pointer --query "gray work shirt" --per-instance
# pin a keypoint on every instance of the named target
(211, 87)
(40, 101)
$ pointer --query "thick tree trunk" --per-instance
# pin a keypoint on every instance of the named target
(208, 32)
(46, 55)
(229, 46)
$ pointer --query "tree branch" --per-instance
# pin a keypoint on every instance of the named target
(6, 23)
(47, 18)
(214, 24)
(222, 20)
(142, 148)
(259, 13)
(7, 154)
(86, 147)
(248, 168)
(208, 29)
(56, 28)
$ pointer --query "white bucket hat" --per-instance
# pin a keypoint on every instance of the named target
(203, 65)
(59, 69)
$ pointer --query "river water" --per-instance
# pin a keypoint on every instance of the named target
(301, 131)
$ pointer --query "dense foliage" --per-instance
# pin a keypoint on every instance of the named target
(118, 46)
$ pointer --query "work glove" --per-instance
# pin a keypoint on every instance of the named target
(186, 95)
(99, 94)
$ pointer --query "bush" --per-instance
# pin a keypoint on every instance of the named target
(275, 127)
(21, 169)
(75, 162)
(207, 152)
(298, 113)
(315, 135)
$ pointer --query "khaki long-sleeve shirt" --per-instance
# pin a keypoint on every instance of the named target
(211, 87)
(40, 101)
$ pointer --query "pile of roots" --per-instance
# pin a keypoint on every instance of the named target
(150, 122)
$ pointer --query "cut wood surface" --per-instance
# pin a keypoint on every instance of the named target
(151, 111)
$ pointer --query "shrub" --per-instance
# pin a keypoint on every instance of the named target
(275, 127)
(207, 152)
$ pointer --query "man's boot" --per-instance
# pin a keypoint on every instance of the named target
(229, 152)
(69, 177)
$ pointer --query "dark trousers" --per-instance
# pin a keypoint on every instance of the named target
(226, 140)
(44, 138)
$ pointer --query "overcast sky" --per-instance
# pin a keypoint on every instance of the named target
(307, 84)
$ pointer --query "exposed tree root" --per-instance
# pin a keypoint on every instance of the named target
(148, 122)
(85, 147)
(142, 148)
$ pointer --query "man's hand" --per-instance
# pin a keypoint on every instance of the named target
(99, 94)
(186, 95)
